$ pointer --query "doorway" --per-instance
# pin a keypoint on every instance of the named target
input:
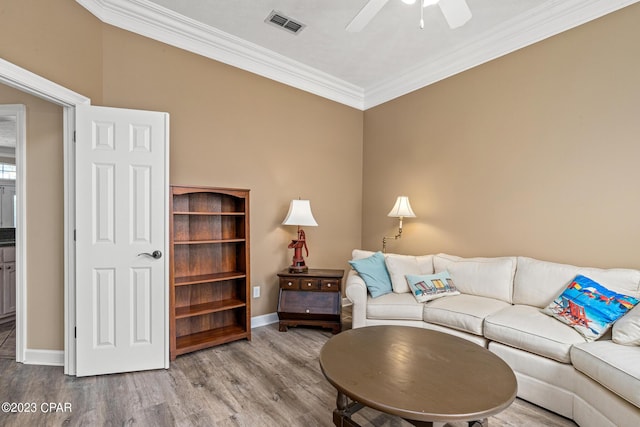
(12, 214)
(32, 84)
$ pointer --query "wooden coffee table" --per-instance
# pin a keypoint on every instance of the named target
(420, 375)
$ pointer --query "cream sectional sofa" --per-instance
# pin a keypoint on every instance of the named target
(595, 383)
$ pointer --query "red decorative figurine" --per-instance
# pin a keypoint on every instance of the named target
(299, 214)
(298, 265)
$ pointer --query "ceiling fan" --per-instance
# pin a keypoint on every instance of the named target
(456, 12)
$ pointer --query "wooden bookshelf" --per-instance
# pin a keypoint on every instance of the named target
(210, 300)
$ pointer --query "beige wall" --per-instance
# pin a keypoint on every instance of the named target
(231, 128)
(45, 216)
(535, 154)
(228, 128)
(56, 39)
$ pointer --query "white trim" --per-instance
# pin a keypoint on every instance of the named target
(19, 111)
(167, 238)
(264, 320)
(159, 23)
(26, 81)
(44, 357)
(152, 20)
(537, 24)
(69, 155)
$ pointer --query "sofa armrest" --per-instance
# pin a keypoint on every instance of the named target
(356, 291)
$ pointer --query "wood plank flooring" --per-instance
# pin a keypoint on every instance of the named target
(8, 340)
(274, 380)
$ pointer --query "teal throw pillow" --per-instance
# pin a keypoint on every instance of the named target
(431, 286)
(589, 307)
(374, 272)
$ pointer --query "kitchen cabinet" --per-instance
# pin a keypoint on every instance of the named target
(7, 205)
(7, 283)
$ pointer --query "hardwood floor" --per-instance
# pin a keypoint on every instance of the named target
(274, 380)
(8, 340)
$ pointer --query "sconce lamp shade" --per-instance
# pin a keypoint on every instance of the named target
(300, 214)
(402, 208)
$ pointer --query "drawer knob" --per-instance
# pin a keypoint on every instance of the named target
(307, 310)
(290, 284)
(309, 284)
(329, 285)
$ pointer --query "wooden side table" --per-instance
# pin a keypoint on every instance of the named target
(311, 298)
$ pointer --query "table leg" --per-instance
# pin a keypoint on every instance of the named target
(479, 423)
(344, 410)
(421, 423)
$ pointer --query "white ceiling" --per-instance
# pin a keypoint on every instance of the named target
(390, 57)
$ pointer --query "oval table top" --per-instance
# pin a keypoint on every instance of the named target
(418, 374)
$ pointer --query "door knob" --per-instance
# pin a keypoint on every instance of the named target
(154, 254)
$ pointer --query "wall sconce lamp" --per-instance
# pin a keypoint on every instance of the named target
(401, 209)
(299, 214)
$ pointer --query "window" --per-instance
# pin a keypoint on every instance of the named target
(7, 171)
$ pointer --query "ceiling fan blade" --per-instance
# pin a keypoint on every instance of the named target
(456, 12)
(366, 14)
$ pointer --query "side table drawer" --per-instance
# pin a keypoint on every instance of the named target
(330, 285)
(309, 305)
(309, 284)
(289, 283)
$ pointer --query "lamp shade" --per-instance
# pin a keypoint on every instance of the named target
(300, 214)
(402, 208)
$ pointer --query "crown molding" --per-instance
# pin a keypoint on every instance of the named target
(542, 22)
(159, 23)
(154, 21)
(24, 80)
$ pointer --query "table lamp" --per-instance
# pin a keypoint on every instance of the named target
(401, 209)
(300, 215)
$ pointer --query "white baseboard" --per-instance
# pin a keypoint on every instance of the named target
(56, 357)
(264, 320)
(43, 357)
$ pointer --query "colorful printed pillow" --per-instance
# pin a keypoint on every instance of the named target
(589, 307)
(428, 287)
(374, 273)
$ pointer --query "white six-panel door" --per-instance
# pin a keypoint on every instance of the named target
(121, 220)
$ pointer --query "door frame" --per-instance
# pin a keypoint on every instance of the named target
(19, 111)
(26, 81)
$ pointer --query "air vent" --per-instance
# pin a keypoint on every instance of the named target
(283, 21)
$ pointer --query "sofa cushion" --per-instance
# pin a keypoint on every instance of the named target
(626, 331)
(374, 272)
(614, 366)
(401, 265)
(431, 286)
(588, 307)
(537, 282)
(463, 312)
(394, 306)
(527, 328)
(485, 277)
(360, 254)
